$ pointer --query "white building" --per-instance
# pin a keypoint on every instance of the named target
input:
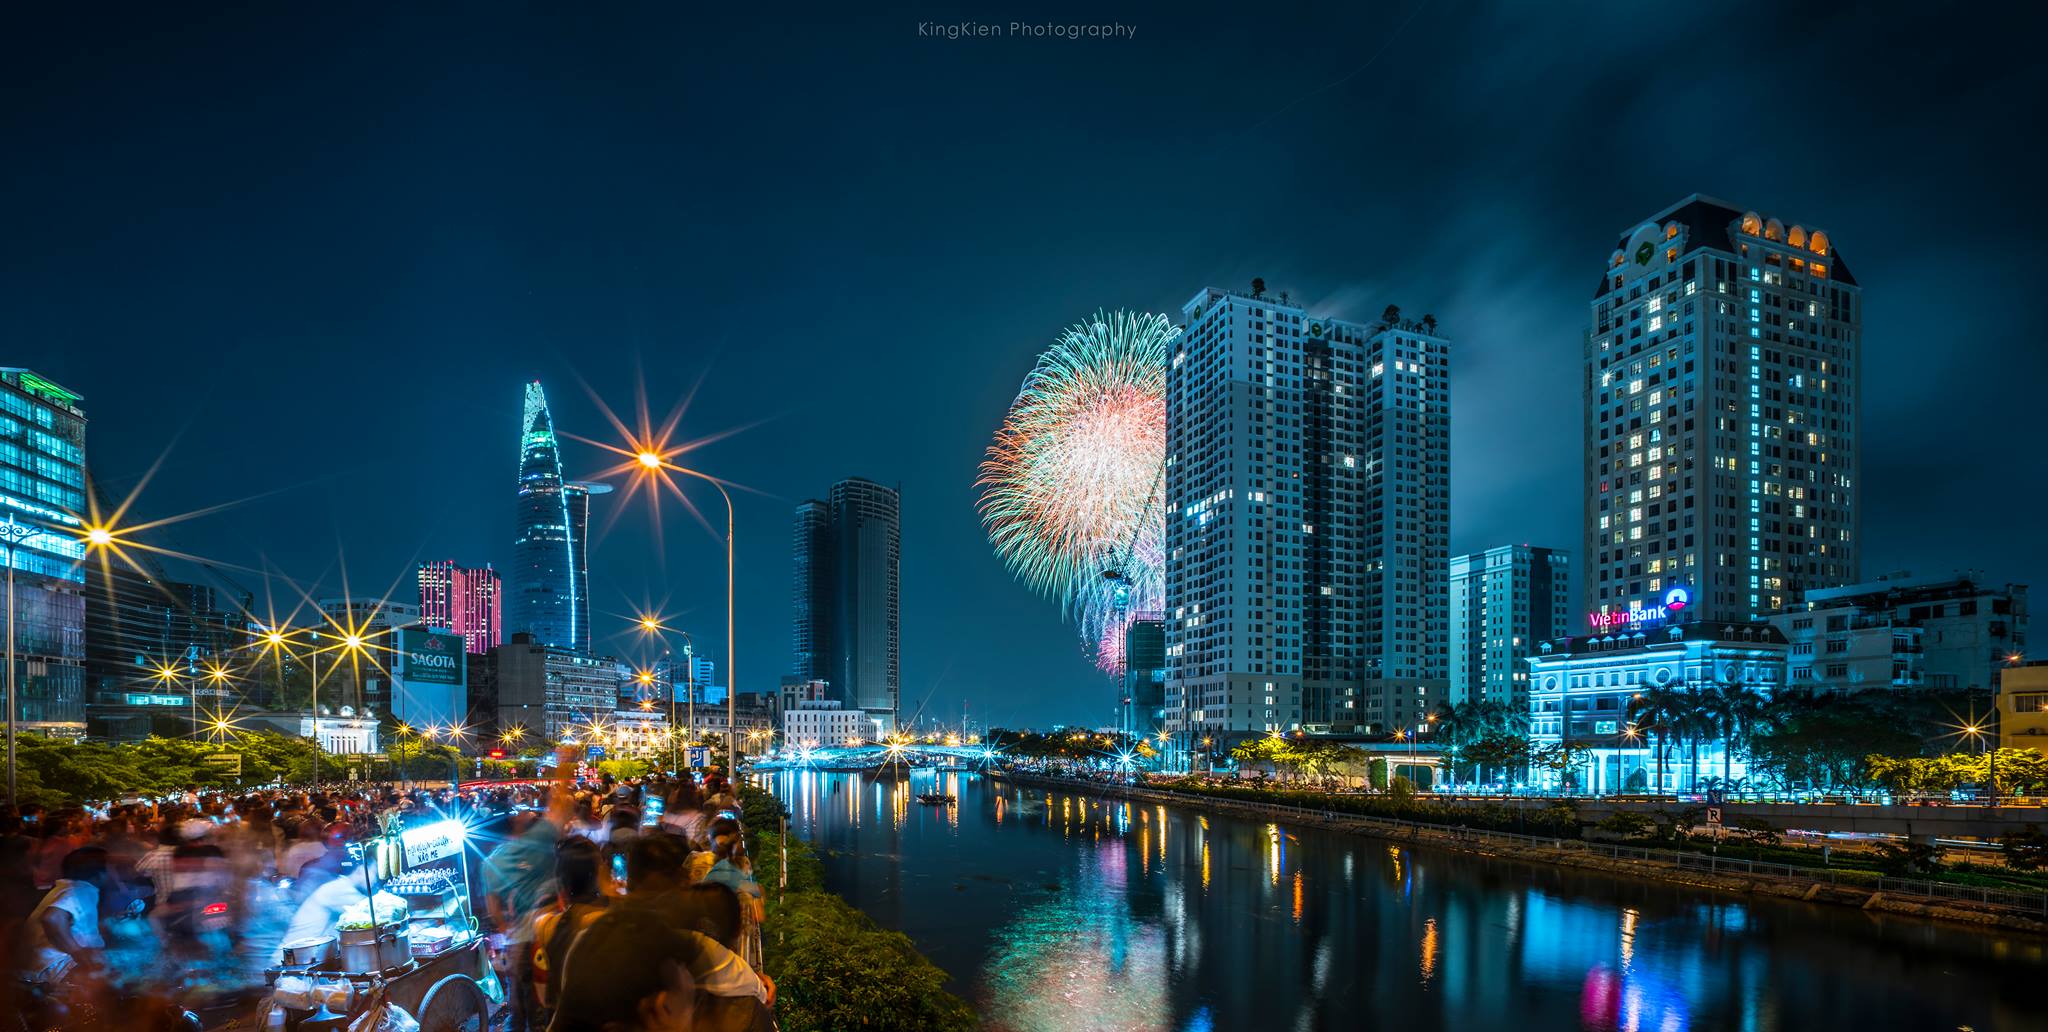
(1308, 511)
(1503, 602)
(342, 731)
(1904, 632)
(1582, 691)
(816, 723)
(1723, 360)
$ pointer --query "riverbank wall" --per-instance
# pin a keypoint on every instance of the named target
(1739, 877)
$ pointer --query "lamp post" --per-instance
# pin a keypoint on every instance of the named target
(652, 461)
(14, 533)
(653, 625)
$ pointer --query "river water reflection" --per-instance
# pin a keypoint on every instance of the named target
(1056, 912)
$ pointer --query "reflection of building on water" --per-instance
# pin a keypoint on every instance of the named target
(1104, 914)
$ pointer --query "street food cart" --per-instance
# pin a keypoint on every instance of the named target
(411, 944)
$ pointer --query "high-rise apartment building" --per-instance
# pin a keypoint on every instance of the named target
(42, 488)
(463, 600)
(1503, 602)
(848, 596)
(1308, 518)
(550, 550)
(1722, 373)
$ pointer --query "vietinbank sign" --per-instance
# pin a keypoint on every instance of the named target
(1642, 614)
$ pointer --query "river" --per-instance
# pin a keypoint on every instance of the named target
(1059, 912)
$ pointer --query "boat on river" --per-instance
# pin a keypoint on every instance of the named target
(936, 799)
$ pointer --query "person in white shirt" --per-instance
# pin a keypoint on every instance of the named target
(64, 931)
(321, 911)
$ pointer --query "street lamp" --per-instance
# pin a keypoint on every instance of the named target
(653, 462)
(651, 624)
(14, 533)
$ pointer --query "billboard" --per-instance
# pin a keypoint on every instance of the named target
(430, 678)
(432, 657)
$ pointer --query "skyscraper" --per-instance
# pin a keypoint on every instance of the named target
(811, 549)
(1308, 513)
(1722, 373)
(1503, 601)
(464, 600)
(848, 626)
(42, 457)
(550, 550)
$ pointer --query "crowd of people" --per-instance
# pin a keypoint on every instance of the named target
(606, 905)
(608, 921)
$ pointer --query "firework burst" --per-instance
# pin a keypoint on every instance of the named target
(1071, 490)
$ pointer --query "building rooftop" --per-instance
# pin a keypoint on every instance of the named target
(1902, 588)
(1714, 223)
(1654, 637)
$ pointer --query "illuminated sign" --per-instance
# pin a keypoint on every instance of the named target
(1639, 615)
(424, 845)
(432, 657)
(139, 699)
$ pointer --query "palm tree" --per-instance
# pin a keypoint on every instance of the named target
(1457, 725)
(1657, 710)
(1694, 723)
(1736, 711)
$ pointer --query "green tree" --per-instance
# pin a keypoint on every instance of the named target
(1733, 713)
(2025, 850)
(1656, 711)
(1628, 824)
(1321, 758)
(1497, 749)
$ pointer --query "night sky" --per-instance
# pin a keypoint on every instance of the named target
(309, 252)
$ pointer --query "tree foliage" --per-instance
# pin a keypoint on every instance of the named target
(54, 772)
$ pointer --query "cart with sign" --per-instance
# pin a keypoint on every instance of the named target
(411, 945)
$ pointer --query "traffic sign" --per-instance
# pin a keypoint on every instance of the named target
(1713, 815)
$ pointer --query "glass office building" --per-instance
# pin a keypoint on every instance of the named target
(42, 493)
(550, 597)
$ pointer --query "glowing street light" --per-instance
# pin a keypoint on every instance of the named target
(651, 623)
(651, 458)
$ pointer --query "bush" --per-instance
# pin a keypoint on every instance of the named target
(2025, 850)
(1758, 831)
(1558, 820)
(834, 969)
(1628, 824)
(1677, 824)
(1913, 859)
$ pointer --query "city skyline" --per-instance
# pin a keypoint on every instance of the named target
(376, 284)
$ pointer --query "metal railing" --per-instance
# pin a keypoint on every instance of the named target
(2029, 902)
